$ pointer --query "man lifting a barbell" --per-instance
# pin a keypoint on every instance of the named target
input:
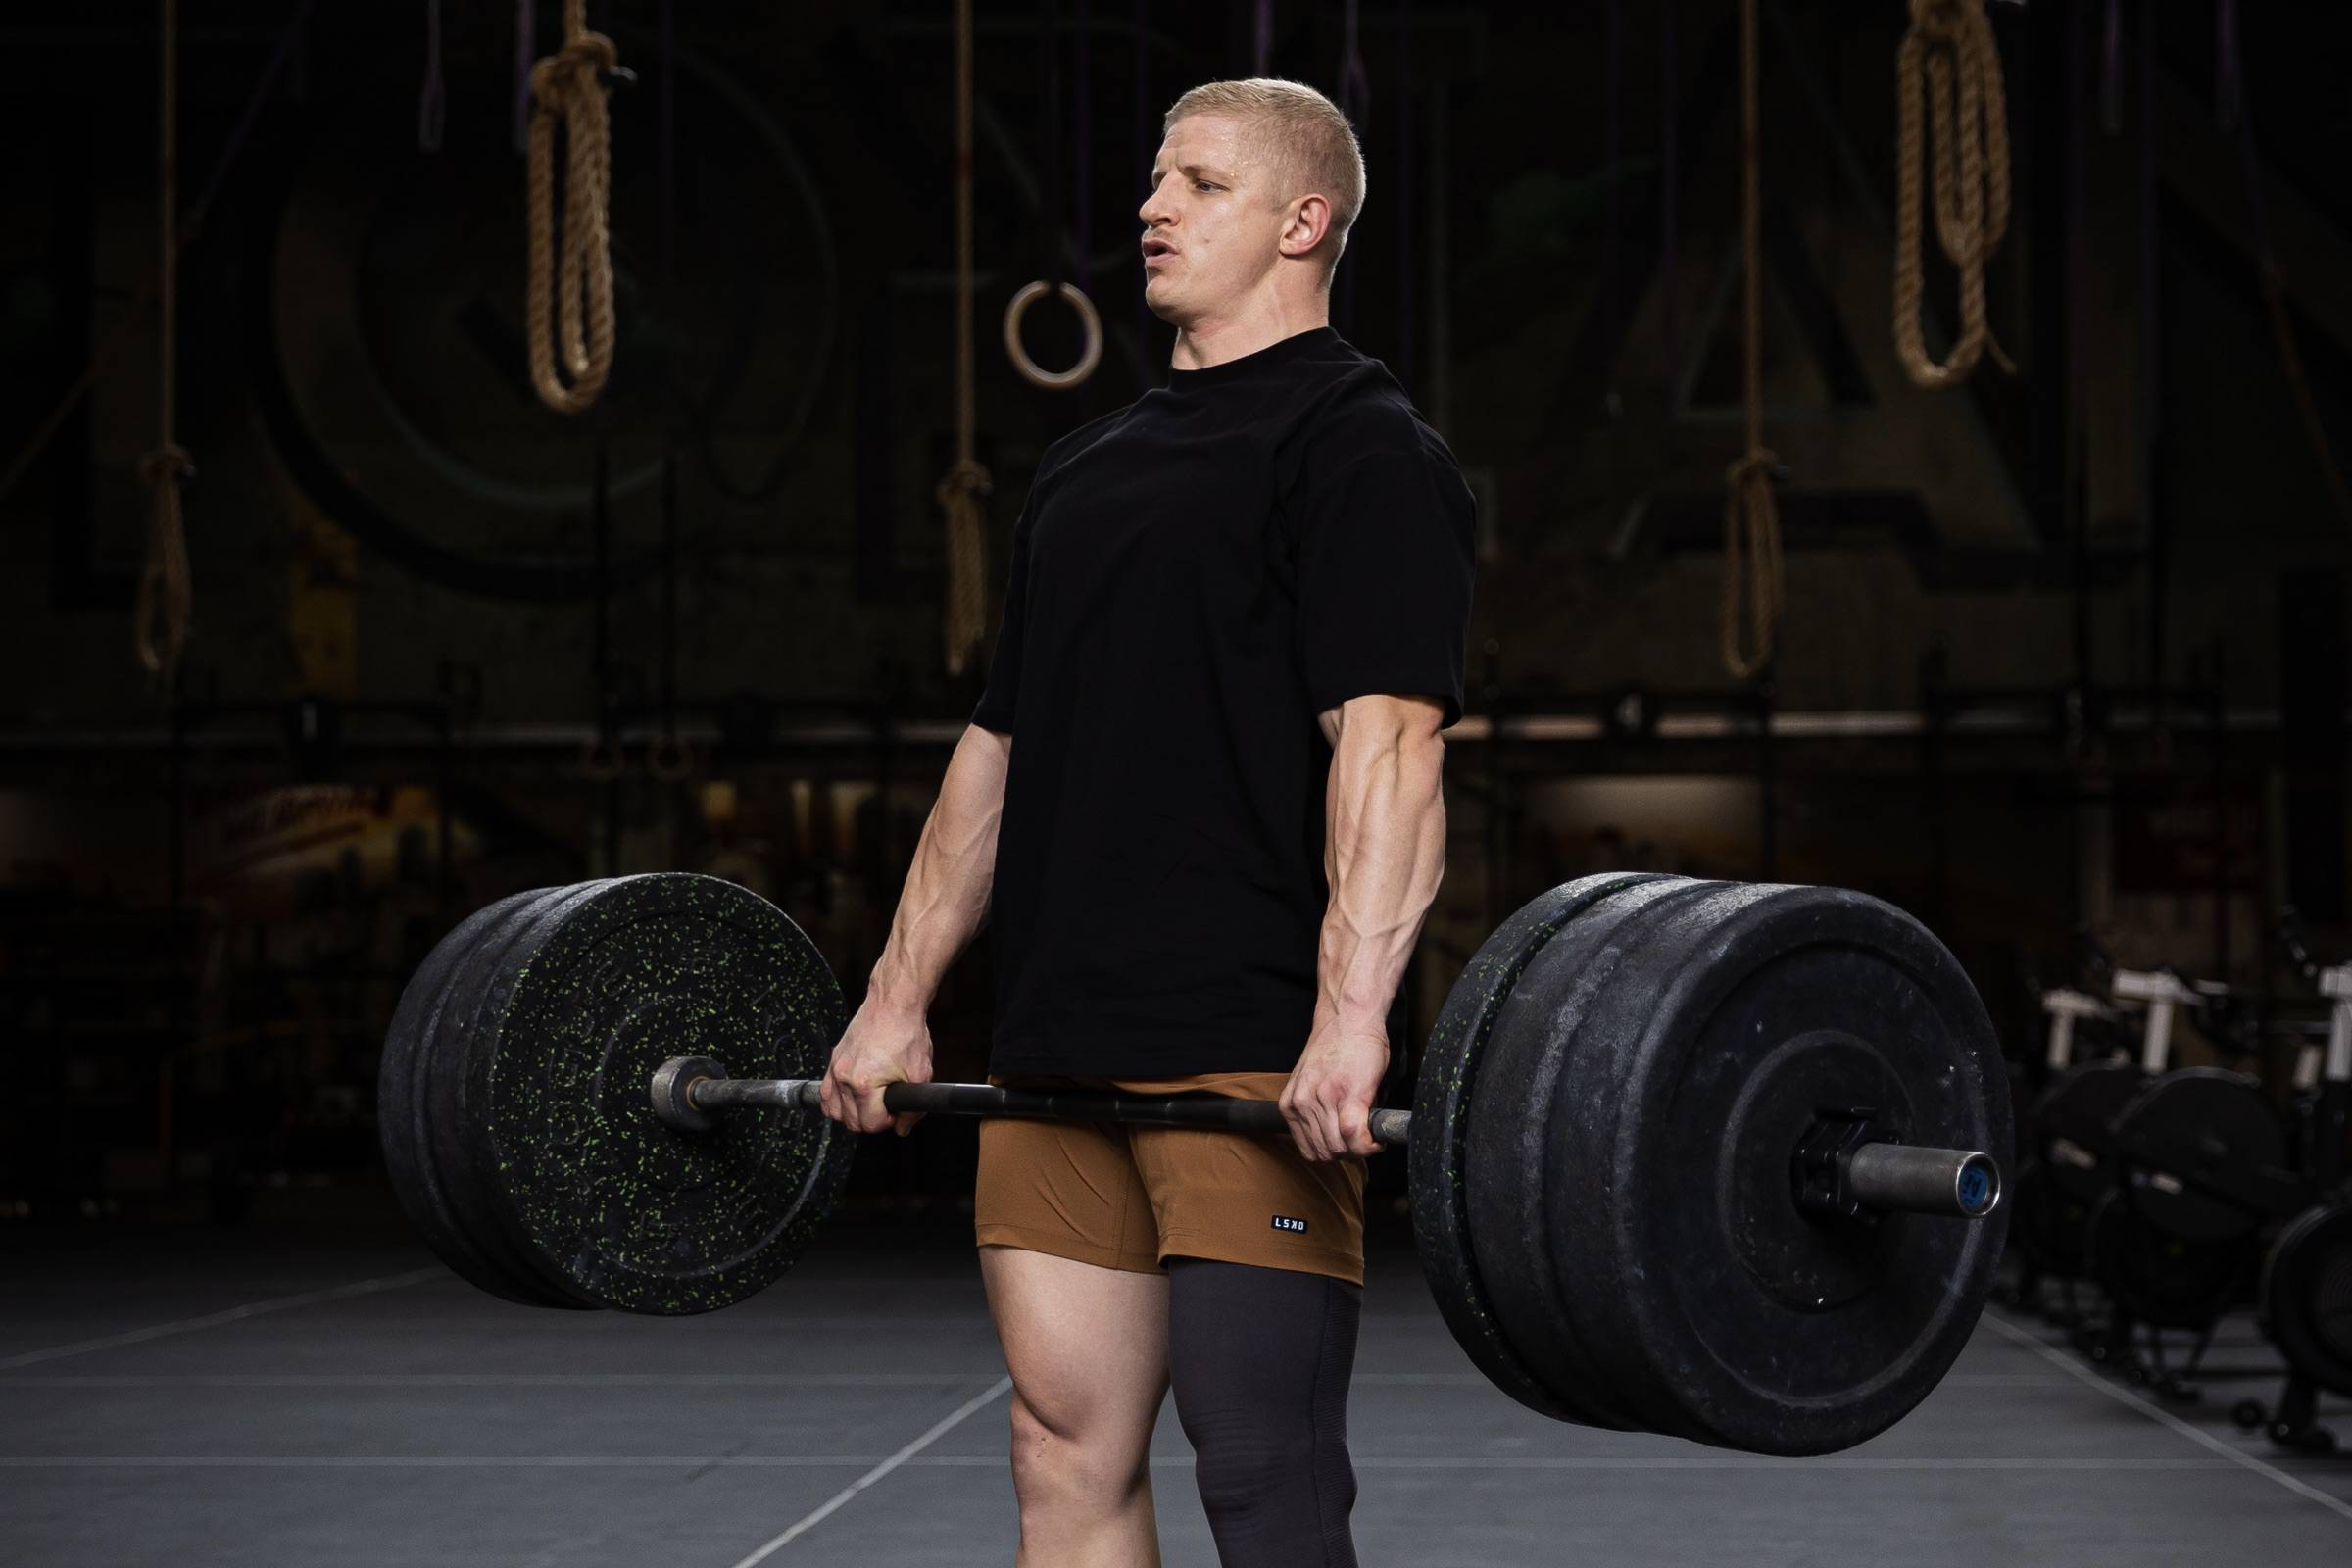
(1231, 636)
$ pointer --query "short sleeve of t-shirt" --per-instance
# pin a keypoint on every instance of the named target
(998, 698)
(1385, 571)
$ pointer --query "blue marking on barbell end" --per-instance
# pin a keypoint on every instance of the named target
(1975, 1189)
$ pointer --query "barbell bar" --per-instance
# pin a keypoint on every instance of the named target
(1682, 1155)
(689, 1094)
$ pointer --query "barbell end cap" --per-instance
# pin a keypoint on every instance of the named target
(673, 1093)
(1978, 1188)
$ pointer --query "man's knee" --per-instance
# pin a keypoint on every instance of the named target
(1243, 1469)
(1058, 1464)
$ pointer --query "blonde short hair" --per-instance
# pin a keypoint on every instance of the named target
(1303, 137)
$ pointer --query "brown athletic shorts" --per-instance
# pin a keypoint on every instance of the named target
(1131, 1197)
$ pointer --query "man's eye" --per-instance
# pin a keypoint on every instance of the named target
(1202, 184)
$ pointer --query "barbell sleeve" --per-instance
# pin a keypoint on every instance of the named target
(1896, 1177)
(1888, 1177)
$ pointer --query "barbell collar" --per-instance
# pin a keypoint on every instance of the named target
(689, 1093)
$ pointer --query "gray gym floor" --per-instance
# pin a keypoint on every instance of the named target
(322, 1393)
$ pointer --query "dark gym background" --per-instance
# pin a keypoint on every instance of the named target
(2062, 666)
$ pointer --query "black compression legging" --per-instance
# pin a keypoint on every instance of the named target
(1259, 1358)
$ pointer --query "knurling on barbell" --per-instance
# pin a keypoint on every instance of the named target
(1089, 322)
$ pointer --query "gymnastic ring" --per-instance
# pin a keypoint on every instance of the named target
(1031, 371)
(670, 758)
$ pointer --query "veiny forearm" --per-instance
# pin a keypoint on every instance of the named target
(1383, 855)
(945, 902)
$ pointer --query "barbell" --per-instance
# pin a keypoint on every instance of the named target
(1836, 1170)
(1713, 1159)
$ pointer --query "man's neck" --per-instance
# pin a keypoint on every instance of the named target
(1218, 339)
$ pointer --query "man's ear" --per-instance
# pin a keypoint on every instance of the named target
(1308, 223)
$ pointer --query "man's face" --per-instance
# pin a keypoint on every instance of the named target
(1212, 227)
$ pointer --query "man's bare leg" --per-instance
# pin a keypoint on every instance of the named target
(1088, 1350)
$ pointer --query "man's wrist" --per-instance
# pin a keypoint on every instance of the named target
(1360, 1039)
(893, 994)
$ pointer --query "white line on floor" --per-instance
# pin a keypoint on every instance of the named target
(842, 1499)
(2084, 1375)
(971, 1461)
(620, 1380)
(188, 1325)
(503, 1380)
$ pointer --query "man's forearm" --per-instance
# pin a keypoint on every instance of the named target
(945, 902)
(1383, 855)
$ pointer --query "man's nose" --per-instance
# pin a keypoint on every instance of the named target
(1154, 212)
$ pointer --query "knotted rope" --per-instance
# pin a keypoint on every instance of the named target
(166, 598)
(964, 489)
(1752, 574)
(1950, 46)
(570, 86)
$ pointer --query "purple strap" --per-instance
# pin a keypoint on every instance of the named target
(1406, 232)
(666, 33)
(1612, 152)
(1262, 38)
(2149, 221)
(1669, 236)
(527, 40)
(1081, 150)
(2077, 266)
(433, 102)
(1356, 84)
(1355, 102)
(2111, 70)
(2228, 67)
(1145, 143)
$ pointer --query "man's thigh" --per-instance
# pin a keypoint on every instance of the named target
(1068, 1189)
(1235, 1197)
(1086, 1346)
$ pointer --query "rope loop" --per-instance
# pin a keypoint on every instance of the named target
(966, 480)
(1961, 131)
(575, 264)
(1754, 573)
(961, 494)
(165, 602)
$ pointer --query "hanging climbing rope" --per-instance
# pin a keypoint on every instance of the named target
(576, 267)
(1950, 46)
(166, 598)
(1753, 575)
(964, 489)
(1050, 194)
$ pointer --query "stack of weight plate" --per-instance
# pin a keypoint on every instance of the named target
(513, 1092)
(1603, 1141)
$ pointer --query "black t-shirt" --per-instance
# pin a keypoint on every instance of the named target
(1195, 578)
